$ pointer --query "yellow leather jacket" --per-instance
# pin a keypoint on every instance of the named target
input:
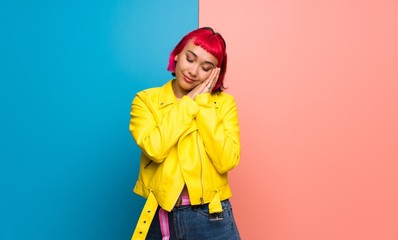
(185, 142)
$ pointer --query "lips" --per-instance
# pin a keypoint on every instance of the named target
(187, 79)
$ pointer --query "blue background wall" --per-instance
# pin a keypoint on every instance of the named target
(68, 72)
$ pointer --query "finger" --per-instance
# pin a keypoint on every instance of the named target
(215, 78)
(212, 74)
(207, 84)
(202, 87)
(197, 90)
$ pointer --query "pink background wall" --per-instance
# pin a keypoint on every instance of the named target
(316, 83)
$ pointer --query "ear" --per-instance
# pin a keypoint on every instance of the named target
(175, 58)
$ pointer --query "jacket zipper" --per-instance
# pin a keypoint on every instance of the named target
(201, 168)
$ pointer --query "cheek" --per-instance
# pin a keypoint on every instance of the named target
(181, 64)
(204, 76)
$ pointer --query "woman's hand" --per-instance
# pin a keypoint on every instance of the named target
(207, 85)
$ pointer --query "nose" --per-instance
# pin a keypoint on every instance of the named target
(193, 70)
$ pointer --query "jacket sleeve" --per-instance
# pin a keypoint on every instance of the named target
(218, 126)
(154, 133)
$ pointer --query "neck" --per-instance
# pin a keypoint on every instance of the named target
(178, 92)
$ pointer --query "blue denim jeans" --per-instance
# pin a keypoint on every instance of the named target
(195, 223)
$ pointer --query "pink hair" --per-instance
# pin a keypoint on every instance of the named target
(210, 41)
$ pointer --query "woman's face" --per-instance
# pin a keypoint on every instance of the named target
(193, 66)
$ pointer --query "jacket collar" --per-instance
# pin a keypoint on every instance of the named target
(166, 96)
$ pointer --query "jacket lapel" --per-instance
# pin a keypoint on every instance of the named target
(166, 96)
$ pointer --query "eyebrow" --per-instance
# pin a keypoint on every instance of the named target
(197, 56)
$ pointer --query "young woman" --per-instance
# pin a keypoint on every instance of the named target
(188, 132)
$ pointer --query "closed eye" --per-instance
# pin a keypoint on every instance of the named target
(189, 60)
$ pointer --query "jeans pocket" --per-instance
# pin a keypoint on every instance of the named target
(226, 208)
(203, 225)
